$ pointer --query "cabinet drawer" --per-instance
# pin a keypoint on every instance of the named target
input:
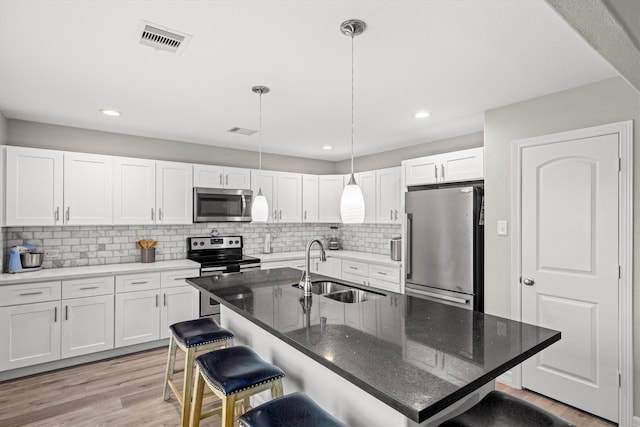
(298, 264)
(87, 287)
(30, 292)
(385, 285)
(169, 279)
(383, 272)
(273, 264)
(355, 267)
(137, 282)
(360, 280)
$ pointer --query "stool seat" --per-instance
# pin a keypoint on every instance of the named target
(235, 369)
(295, 409)
(498, 409)
(192, 333)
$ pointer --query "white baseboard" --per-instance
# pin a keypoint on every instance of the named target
(507, 379)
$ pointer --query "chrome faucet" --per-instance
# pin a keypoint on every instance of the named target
(305, 280)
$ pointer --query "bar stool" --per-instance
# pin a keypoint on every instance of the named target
(233, 374)
(295, 409)
(498, 409)
(192, 336)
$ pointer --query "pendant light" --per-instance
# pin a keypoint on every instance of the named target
(260, 206)
(352, 202)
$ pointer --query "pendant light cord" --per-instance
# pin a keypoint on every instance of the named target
(260, 138)
(352, 61)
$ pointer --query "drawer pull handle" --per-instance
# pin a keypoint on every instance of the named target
(55, 314)
(66, 312)
(24, 294)
(353, 268)
(139, 283)
(86, 288)
(382, 272)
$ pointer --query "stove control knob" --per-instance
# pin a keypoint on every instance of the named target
(237, 241)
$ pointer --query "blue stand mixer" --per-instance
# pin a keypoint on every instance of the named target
(16, 255)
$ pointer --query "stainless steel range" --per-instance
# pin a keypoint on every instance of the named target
(218, 255)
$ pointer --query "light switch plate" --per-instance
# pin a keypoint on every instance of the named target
(503, 229)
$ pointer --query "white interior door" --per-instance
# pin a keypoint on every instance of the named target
(570, 269)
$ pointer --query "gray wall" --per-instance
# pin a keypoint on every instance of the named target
(394, 157)
(608, 101)
(40, 135)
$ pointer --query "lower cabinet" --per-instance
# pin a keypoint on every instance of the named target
(30, 334)
(87, 325)
(178, 304)
(137, 317)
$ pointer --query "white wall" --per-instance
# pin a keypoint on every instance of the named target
(40, 135)
(608, 101)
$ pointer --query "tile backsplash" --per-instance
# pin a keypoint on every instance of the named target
(97, 245)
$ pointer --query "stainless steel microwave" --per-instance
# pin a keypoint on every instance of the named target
(221, 205)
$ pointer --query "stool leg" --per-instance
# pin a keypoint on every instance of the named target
(171, 361)
(228, 410)
(246, 405)
(276, 388)
(196, 408)
(188, 385)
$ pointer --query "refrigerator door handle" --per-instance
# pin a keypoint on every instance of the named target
(408, 265)
(438, 296)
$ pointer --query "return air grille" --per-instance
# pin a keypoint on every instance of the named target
(163, 39)
(242, 131)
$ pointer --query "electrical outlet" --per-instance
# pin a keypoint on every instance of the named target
(52, 253)
(503, 229)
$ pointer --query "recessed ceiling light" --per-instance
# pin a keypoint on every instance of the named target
(110, 112)
(327, 147)
(422, 114)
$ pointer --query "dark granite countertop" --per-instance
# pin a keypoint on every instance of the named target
(416, 356)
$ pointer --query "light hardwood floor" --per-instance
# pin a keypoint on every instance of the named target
(127, 391)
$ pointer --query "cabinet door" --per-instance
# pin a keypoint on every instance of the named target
(388, 195)
(137, 317)
(87, 325)
(289, 197)
(237, 178)
(33, 186)
(208, 176)
(332, 267)
(88, 189)
(30, 334)
(134, 191)
(421, 171)
(367, 183)
(267, 181)
(178, 304)
(462, 165)
(309, 198)
(329, 194)
(174, 193)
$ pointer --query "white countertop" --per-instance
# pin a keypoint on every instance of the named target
(351, 255)
(93, 271)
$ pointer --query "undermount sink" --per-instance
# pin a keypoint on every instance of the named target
(351, 296)
(340, 292)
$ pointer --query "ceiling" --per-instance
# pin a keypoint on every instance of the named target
(63, 61)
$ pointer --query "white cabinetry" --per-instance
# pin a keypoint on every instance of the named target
(329, 194)
(34, 186)
(87, 316)
(30, 318)
(332, 267)
(464, 165)
(134, 191)
(283, 191)
(137, 308)
(370, 274)
(388, 195)
(174, 193)
(221, 177)
(309, 198)
(367, 183)
(180, 301)
(88, 189)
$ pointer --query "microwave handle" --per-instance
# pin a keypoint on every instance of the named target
(244, 205)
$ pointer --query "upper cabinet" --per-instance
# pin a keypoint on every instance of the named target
(34, 186)
(174, 193)
(367, 183)
(283, 191)
(464, 165)
(329, 194)
(88, 189)
(309, 198)
(388, 195)
(134, 191)
(221, 177)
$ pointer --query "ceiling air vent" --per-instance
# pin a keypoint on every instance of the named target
(242, 131)
(162, 38)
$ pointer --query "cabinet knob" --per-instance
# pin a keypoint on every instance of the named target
(528, 281)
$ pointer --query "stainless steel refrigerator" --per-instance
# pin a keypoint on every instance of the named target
(445, 244)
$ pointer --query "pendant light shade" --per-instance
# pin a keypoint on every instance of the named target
(260, 206)
(352, 201)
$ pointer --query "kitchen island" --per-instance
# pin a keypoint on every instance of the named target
(423, 360)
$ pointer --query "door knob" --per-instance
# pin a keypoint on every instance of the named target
(528, 281)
